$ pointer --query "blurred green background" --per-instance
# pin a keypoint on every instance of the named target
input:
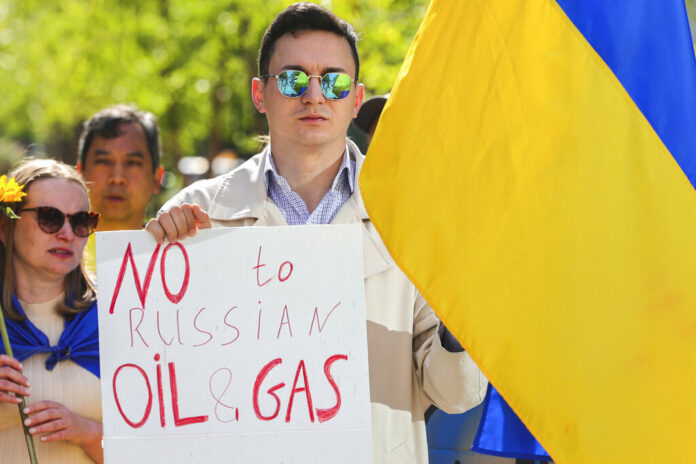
(190, 63)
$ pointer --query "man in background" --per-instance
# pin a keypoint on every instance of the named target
(119, 157)
(368, 116)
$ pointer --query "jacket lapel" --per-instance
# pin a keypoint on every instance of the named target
(376, 259)
(270, 216)
(242, 193)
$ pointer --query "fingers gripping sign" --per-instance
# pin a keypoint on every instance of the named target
(178, 223)
(12, 382)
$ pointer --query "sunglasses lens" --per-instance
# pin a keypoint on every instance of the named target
(292, 83)
(335, 86)
(84, 223)
(50, 219)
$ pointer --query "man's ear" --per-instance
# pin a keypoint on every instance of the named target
(359, 94)
(159, 173)
(257, 88)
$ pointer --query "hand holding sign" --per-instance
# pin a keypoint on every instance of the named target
(178, 223)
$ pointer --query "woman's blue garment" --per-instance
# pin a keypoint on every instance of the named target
(502, 433)
(79, 341)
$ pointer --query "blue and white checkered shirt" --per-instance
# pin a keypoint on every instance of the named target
(295, 210)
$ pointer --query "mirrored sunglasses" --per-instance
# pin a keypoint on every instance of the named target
(51, 220)
(292, 84)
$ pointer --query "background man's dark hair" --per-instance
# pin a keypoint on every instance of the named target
(301, 17)
(107, 124)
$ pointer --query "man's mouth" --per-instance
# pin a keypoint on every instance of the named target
(114, 197)
(313, 118)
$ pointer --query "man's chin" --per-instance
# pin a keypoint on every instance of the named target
(114, 214)
(114, 220)
(315, 139)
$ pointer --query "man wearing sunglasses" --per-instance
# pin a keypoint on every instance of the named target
(307, 88)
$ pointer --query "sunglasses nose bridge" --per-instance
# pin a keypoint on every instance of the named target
(66, 229)
(314, 91)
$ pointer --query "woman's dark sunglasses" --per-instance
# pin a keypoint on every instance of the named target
(51, 220)
(292, 84)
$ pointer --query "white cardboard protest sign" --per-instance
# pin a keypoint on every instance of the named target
(238, 345)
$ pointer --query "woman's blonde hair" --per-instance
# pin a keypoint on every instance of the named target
(80, 292)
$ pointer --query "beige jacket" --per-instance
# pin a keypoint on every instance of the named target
(409, 369)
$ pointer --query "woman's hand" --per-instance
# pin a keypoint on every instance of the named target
(55, 422)
(12, 380)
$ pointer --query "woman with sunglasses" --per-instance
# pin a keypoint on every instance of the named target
(49, 304)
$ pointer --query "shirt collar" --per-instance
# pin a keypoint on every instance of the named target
(341, 179)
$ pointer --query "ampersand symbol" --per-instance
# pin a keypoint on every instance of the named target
(218, 398)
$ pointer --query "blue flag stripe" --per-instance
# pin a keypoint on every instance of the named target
(647, 44)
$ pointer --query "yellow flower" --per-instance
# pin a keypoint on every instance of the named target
(10, 191)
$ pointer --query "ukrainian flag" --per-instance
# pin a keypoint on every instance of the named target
(533, 173)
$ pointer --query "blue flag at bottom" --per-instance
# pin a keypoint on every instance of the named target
(502, 433)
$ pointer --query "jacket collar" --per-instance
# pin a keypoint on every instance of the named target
(242, 193)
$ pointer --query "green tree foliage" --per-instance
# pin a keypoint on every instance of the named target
(190, 63)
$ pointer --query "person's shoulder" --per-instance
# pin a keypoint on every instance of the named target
(204, 192)
(248, 172)
(89, 315)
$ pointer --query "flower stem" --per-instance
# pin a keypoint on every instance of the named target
(27, 436)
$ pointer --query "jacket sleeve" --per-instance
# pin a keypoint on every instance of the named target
(199, 193)
(452, 381)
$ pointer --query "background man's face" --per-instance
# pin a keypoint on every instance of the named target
(311, 120)
(120, 178)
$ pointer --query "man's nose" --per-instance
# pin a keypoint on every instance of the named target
(117, 174)
(313, 93)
